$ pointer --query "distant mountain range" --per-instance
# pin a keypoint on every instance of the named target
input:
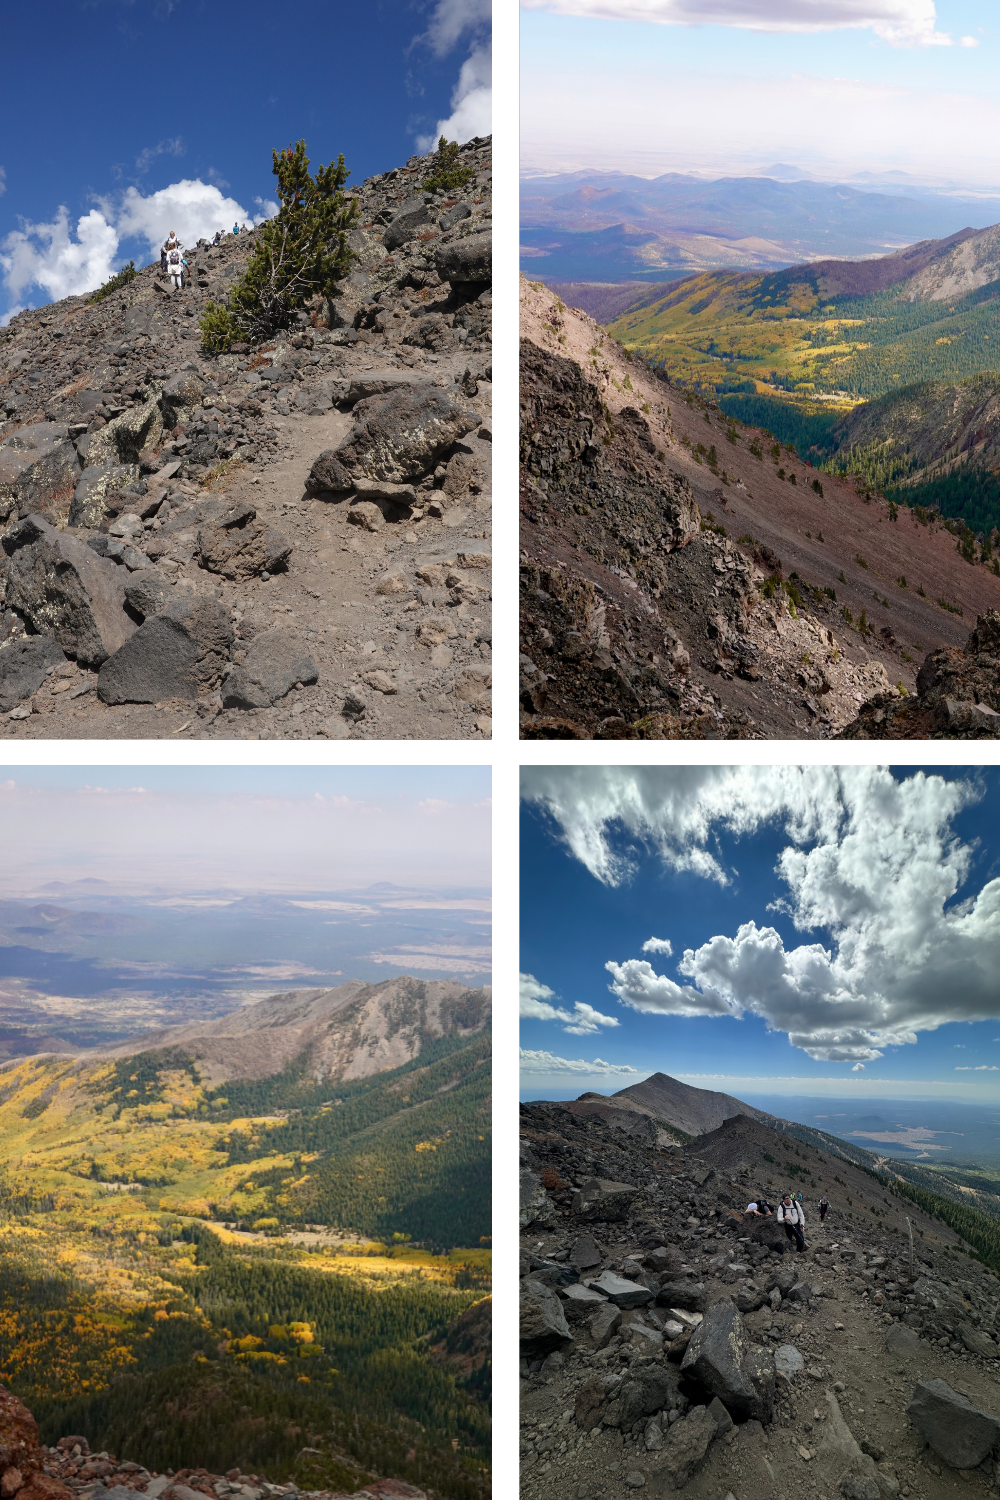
(613, 227)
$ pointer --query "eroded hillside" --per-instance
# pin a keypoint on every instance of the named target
(679, 579)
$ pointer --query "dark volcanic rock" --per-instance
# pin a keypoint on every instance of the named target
(721, 1358)
(275, 661)
(402, 436)
(238, 546)
(959, 1432)
(957, 697)
(64, 590)
(23, 667)
(178, 653)
(39, 468)
(88, 507)
(608, 1201)
(466, 263)
(543, 1325)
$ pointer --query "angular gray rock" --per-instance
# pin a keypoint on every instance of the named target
(584, 1252)
(961, 1434)
(147, 592)
(788, 1361)
(24, 665)
(402, 436)
(178, 653)
(124, 438)
(536, 1205)
(543, 1325)
(605, 1324)
(39, 468)
(901, 1340)
(976, 1341)
(685, 1448)
(621, 1292)
(720, 1356)
(414, 217)
(467, 262)
(88, 508)
(238, 546)
(64, 590)
(599, 1200)
(275, 661)
(180, 395)
(585, 1297)
(378, 383)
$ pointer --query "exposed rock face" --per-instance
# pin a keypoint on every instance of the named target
(22, 1462)
(39, 468)
(721, 1357)
(958, 695)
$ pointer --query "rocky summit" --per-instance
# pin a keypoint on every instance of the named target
(670, 1341)
(289, 540)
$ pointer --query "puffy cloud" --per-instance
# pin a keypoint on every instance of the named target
(534, 1005)
(658, 945)
(858, 1068)
(901, 23)
(547, 1063)
(67, 263)
(192, 207)
(472, 97)
(48, 256)
(872, 861)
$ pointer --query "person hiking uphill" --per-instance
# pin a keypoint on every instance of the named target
(175, 267)
(824, 1204)
(790, 1214)
(170, 243)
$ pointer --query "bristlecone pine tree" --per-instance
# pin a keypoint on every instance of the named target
(301, 253)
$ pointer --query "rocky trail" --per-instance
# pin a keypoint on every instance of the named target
(287, 541)
(679, 581)
(669, 1343)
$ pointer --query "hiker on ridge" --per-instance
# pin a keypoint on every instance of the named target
(175, 266)
(824, 1204)
(170, 243)
(790, 1214)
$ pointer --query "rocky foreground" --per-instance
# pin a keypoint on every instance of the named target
(668, 1343)
(32, 1471)
(174, 558)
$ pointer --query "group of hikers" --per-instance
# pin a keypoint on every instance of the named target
(172, 262)
(790, 1214)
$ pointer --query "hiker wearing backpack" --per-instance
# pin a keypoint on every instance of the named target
(175, 266)
(169, 244)
(824, 1204)
(791, 1216)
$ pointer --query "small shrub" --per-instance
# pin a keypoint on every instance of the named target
(115, 283)
(818, 488)
(860, 561)
(448, 171)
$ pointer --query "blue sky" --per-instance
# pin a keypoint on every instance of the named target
(273, 828)
(830, 931)
(915, 89)
(111, 106)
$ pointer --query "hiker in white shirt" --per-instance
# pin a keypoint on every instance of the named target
(790, 1214)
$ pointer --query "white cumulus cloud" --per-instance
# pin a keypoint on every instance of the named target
(66, 261)
(901, 23)
(453, 22)
(858, 1068)
(872, 862)
(534, 1005)
(658, 945)
(546, 1063)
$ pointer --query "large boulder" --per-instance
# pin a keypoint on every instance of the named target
(844, 1465)
(178, 653)
(599, 1200)
(467, 263)
(536, 1206)
(402, 436)
(328, 476)
(88, 508)
(690, 1295)
(64, 590)
(124, 438)
(976, 1341)
(616, 1400)
(585, 1253)
(275, 661)
(961, 1434)
(378, 383)
(147, 592)
(413, 218)
(181, 394)
(901, 1341)
(721, 1358)
(24, 666)
(543, 1325)
(39, 468)
(238, 546)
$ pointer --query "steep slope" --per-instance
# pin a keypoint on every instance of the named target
(143, 477)
(635, 1284)
(640, 615)
(693, 1110)
(349, 1032)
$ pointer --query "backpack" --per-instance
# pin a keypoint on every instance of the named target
(175, 257)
